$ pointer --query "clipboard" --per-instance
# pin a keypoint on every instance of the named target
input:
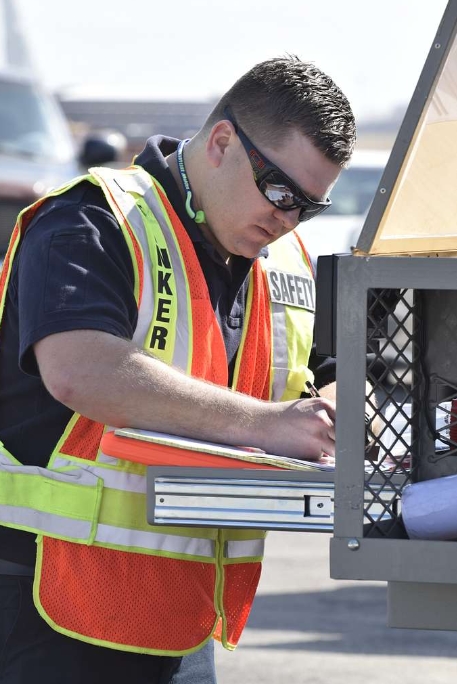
(158, 448)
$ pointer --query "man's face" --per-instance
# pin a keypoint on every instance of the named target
(240, 219)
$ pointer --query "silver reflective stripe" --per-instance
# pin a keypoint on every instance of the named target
(48, 523)
(181, 348)
(280, 361)
(114, 479)
(246, 548)
(128, 538)
(104, 458)
(189, 546)
(126, 204)
(108, 460)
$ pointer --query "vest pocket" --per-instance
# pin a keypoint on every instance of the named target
(60, 504)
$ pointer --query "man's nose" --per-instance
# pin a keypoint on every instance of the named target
(289, 219)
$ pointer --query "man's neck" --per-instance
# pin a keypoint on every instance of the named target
(172, 161)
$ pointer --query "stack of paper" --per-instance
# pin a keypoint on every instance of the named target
(158, 448)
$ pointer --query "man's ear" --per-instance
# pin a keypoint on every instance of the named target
(219, 140)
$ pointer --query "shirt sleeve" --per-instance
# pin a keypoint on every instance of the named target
(74, 272)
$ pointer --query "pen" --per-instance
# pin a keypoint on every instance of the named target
(311, 389)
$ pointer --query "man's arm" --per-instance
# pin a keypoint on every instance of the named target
(111, 381)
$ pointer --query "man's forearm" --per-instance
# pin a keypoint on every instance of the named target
(110, 380)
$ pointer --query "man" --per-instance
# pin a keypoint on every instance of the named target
(138, 298)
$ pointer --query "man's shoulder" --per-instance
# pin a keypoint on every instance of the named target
(81, 197)
(82, 210)
(82, 207)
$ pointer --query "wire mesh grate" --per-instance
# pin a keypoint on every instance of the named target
(393, 371)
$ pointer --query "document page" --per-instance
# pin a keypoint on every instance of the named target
(242, 453)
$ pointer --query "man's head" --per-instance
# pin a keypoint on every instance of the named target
(284, 94)
(273, 147)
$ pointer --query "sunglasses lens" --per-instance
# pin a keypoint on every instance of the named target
(278, 192)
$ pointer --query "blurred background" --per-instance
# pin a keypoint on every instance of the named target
(87, 84)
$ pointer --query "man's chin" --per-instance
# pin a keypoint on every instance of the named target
(251, 250)
(250, 253)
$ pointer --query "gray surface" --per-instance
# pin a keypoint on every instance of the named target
(428, 606)
(397, 560)
(308, 629)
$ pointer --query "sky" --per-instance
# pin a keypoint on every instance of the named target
(172, 49)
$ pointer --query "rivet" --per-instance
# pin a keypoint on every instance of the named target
(353, 544)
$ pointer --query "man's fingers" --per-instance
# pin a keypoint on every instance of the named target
(327, 432)
(330, 409)
(329, 422)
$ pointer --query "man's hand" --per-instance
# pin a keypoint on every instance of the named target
(300, 429)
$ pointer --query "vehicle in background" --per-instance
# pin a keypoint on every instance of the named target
(337, 229)
(37, 150)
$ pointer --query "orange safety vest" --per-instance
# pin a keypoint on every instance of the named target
(164, 590)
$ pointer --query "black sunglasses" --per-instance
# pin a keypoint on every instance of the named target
(273, 183)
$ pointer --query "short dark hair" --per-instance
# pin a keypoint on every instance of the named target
(283, 94)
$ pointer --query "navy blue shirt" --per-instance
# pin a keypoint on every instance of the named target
(74, 271)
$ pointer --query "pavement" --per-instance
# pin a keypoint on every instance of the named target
(306, 628)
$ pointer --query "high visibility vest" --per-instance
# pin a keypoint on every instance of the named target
(103, 575)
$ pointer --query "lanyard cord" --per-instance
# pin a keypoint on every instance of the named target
(199, 216)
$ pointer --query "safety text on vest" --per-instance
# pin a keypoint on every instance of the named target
(291, 289)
